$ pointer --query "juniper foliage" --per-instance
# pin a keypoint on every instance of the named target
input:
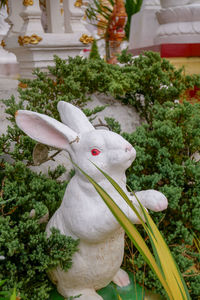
(164, 147)
(156, 80)
(28, 252)
(166, 152)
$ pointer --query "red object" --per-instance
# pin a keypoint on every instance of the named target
(193, 93)
(117, 22)
(180, 50)
(95, 152)
(171, 50)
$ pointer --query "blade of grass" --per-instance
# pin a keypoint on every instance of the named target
(13, 296)
(131, 231)
(168, 266)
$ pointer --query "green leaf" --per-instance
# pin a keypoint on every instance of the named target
(165, 268)
(130, 229)
(13, 296)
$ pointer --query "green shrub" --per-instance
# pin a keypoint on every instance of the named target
(165, 162)
(94, 54)
(164, 146)
(156, 80)
(76, 79)
(25, 198)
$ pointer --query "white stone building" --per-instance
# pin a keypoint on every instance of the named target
(38, 29)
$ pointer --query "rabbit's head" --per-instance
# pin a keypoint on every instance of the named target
(85, 144)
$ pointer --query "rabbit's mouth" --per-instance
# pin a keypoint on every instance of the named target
(129, 160)
(131, 154)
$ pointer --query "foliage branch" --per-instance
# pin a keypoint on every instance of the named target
(164, 147)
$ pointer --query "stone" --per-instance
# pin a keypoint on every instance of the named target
(178, 23)
(126, 115)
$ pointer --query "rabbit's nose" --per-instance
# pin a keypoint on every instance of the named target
(128, 148)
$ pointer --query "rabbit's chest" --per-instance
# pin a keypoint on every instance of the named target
(104, 259)
(111, 250)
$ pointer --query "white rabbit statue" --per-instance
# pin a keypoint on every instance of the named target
(83, 214)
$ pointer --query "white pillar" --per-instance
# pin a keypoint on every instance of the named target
(72, 17)
(4, 27)
(8, 62)
(173, 3)
(31, 15)
(55, 18)
(144, 25)
(179, 22)
(14, 19)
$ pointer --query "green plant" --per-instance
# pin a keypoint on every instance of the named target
(25, 198)
(70, 82)
(94, 54)
(14, 296)
(163, 265)
(161, 161)
(7, 295)
(96, 9)
(157, 80)
(132, 7)
(165, 161)
(4, 295)
(99, 15)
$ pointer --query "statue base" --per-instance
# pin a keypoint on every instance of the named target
(112, 292)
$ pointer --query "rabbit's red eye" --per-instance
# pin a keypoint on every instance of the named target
(95, 152)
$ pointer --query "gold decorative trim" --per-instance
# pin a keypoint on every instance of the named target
(27, 2)
(85, 39)
(3, 44)
(23, 86)
(25, 40)
(78, 3)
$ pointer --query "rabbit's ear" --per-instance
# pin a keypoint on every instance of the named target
(45, 130)
(74, 117)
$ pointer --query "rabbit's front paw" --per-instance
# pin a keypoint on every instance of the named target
(158, 201)
(121, 278)
(153, 200)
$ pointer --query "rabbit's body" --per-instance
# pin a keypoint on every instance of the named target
(97, 219)
(83, 214)
(94, 265)
(101, 247)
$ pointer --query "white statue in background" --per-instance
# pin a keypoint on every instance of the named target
(83, 214)
(179, 22)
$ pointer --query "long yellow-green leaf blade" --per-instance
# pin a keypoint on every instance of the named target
(169, 266)
(122, 193)
(131, 231)
(166, 262)
(13, 296)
